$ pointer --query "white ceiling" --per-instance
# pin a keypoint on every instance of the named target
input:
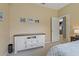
(54, 5)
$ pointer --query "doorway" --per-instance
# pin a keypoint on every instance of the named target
(61, 29)
(64, 28)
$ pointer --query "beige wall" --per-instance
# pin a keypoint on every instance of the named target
(28, 10)
(4, 30)
(73, 11)
(15, 11)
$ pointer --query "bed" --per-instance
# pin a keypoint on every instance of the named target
(66, 49)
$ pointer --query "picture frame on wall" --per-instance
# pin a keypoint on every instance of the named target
(33, 20)
(22, 20)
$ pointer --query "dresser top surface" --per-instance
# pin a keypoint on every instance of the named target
(29, 34)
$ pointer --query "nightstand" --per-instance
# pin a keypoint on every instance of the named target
(74, 38)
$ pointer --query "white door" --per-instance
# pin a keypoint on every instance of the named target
(20, 43)
(55, 29)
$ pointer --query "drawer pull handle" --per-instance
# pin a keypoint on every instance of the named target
(28, 37)
(31, 37)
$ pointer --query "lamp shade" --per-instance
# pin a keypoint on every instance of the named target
(76, 31)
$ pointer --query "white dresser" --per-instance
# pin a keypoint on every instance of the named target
(28, 41)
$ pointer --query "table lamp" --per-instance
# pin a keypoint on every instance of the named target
(76, 31)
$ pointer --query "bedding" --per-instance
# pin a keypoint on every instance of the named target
(66, 49)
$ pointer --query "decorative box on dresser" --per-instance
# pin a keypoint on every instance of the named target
(28, 41)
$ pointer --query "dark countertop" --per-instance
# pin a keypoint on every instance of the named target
(29, 34)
